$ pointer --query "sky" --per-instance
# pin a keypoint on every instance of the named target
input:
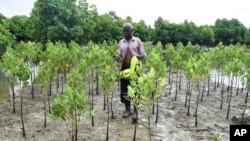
(201, 12)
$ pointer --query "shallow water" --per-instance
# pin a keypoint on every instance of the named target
(237, 82)
(4, 86)
(5, 89)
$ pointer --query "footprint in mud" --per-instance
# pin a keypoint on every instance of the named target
(220, 127)
(172, 132)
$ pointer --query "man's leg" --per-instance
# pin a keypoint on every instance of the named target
(124, 84)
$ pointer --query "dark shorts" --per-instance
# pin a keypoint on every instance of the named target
(124, 89)
(124, 83)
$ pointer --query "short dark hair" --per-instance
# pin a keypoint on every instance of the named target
(127, 25)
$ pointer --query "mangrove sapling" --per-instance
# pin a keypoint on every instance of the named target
(247, 78)
(189, 73)
(108, 76)
(155, 60)
(176, 65)
(7, 64)
(216, 137)
(72, 105)
(43, 79)
(51, 55)
(107, 80)
(22, 72)
(170, 55)
(217, 58)
(94, 61)
(222, 93)
(28, 52)
(233, 69)
(197, 79)
(141, 89)
(31, 52)
(204, 69)
(201, 71)
(134, 96)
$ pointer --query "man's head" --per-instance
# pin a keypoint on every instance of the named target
(127, 30)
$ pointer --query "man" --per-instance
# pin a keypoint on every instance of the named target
(128, 47)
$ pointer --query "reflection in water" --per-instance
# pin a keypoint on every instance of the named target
(4, 86)
(237, 82)
(5, 89)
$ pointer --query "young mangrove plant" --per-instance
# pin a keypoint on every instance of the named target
(22, 72)
(45, 74)
(70, 107)
(7, 64)
(108, 78)
(141, 89)
(232, 69)
(155, 61)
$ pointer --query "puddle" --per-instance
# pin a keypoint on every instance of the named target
(5, 88)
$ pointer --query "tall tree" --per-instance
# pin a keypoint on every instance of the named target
(56, 20)
(161, 31)
(187, 32)
(142, 31)
(205, 35)
(17, 25)
(108, 27)
(229, 31)
(247, 37)
(6, 39)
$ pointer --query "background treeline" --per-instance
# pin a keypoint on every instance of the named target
(72, 20)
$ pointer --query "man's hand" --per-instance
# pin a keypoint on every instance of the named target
(140, 57)
(119, 58)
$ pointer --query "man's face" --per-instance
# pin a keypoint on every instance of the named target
(127, 32)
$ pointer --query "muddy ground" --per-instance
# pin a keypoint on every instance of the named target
(173, 122)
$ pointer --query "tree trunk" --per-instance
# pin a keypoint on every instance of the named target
(208, 85)
(23, 128)
(196, 109)
(13, 97)
(187, 92)
(189, 101)
(176, 86)
(230, 97)
(107, 133)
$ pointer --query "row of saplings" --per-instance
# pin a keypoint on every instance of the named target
(145, 88)
(83, 63)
